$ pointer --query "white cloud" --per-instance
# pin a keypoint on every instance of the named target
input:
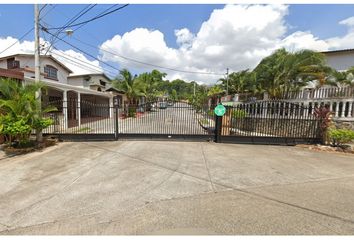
(346, 41)
(184, 37)
(77, 62)
(348, 22)
(235, 37)
(303, 40)
(22, 47)
(232, 37)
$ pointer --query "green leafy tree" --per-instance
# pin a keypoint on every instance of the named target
(128, 83)
(283, 72)
(18, 105)
(341, 79)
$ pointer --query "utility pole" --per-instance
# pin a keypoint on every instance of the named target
(227, 82)
(37, 67)
(194, 89)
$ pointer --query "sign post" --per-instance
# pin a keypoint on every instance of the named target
(219, 112)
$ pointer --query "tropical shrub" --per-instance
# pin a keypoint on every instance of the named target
(340, 137)
(20, 110)
(132, 111)
(15, 129)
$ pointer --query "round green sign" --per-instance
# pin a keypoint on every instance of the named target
(220, 110)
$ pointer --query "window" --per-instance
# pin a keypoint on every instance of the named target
(12, 63)
(102, 83)
(51, 72)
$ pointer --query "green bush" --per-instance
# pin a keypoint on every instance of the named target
(42, 123)
(132, 112)
(15, 129)
(341, 136)
(239, 113)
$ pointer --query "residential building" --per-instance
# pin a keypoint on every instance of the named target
(63, 91)
(341, 60)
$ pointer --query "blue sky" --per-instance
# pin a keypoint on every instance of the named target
(322, 21)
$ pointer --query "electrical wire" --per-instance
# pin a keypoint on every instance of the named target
(92, 19)
(144, 63)
(18, 40)
(70, 21)
(78, 62)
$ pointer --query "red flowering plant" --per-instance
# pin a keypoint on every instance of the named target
(324, 116)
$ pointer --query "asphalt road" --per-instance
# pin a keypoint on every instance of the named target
(176, 188)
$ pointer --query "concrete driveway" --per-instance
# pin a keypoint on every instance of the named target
(176, 188)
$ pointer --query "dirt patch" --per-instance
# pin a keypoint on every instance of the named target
(324, 148)
(12, 150)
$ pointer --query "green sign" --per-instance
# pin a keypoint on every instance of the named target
(220, 110)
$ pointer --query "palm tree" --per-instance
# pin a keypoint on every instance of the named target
(127, 83)
(341, 79)
(148, 84)
(18, 103)
(284, 72)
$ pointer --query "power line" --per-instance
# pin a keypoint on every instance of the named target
(46, 13)
(92, 19)
(70, 21)
(88, 54)
(18, 40)
(97, 15)
(144, 63)
(82, 64)
(78, 62)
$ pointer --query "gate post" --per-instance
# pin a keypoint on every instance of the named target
(218, 126)
(116, 116)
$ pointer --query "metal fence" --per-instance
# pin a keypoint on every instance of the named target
(272, 122)
(81, 120)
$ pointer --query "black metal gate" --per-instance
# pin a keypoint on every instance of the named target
(165, 120)
(265, 122)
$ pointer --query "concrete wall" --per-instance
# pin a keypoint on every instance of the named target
(340, 61)
(273, 127)
(344, 124)
(91, 83)
(78, 81)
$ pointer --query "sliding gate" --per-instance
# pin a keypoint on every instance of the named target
(165, 120)
(265, 122)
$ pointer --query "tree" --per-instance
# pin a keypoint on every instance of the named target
(283, 72)
(341, 79)
(127, 83)
(148, 84)
(20, 110)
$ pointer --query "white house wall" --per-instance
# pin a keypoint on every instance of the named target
(340, 61)
(28, 62)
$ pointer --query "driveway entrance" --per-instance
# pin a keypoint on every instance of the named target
(264, 122)
(147, 187)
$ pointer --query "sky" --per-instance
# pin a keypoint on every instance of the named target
(199, 41)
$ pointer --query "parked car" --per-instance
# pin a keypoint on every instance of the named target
(163, 105)
(170, 104)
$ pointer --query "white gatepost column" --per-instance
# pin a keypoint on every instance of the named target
(350, 109)
(344, 104)
(65, 108)
(111, 107)
(78, 109)
(337, 110)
